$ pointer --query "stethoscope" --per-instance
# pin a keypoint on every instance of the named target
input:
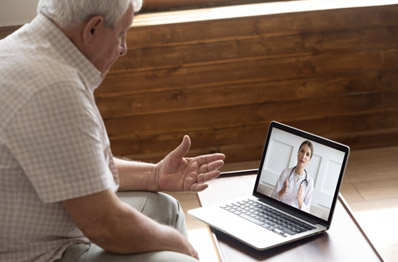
(304, 180)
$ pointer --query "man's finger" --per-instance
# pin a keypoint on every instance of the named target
(204, 177)
(204, 159)
(198, 187)
(211, 166)
(183, 148)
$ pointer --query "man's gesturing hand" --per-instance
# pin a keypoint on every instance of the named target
(176, 172)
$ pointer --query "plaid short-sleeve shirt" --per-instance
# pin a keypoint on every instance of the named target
(53, 142)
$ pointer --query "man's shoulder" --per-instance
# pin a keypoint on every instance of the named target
(32, 59)
(38, 55)
(29, 70)
(32, 78)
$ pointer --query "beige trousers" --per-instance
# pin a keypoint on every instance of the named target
(161, 207)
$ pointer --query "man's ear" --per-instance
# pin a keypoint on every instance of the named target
(91, 29)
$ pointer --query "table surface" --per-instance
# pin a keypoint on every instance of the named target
(344, 241)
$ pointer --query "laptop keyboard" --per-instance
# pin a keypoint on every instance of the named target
(268, 218)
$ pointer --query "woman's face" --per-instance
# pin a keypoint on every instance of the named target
(303, 156)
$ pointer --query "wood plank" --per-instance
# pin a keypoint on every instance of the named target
(382, 163)
(258, 93)
(233, 94)
(155, 5)
(350, 193)
(375, 205)
(250, 139)
(247, 114)
(301, 44)
(7, 30)
(372, 139)
(379, 189)
(348, 125)
(255, 69)
(331, 127)
(255, 26)
(381, 234)
(252, 152)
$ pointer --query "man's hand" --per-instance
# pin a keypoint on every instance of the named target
(179, 173)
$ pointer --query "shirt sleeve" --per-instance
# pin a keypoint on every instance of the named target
(278, 186)
(56, 139)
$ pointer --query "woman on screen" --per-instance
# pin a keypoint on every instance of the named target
(294, 186)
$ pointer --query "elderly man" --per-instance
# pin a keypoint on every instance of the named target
(58, 178)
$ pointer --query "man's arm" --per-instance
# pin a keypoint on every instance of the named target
(134, 175)
(118, 228)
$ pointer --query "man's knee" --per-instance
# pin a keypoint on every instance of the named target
(159, 206)
(163, 208)
(92, 253)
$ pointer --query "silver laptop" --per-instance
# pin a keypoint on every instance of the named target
(294, 195)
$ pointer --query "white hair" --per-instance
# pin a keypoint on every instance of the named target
(72, 12)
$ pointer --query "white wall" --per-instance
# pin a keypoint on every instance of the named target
(17, 12)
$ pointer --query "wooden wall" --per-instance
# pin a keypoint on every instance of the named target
(6, 30)
(332, 72)
(167, 5)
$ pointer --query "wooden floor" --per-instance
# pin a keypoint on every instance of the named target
(371, 189)
(370, 186)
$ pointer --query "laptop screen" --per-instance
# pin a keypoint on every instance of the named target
(302, 170)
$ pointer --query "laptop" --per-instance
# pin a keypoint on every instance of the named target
(277, 213)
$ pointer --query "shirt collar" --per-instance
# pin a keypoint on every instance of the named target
(64, 47)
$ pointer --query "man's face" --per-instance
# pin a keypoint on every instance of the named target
(110, 43)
